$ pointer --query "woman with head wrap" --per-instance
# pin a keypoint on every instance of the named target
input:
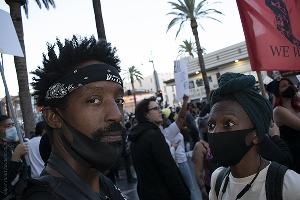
(287, 117)
(238, 124)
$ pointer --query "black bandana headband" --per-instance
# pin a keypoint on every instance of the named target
(80, 77)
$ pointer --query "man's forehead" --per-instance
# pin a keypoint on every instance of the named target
(103, 86)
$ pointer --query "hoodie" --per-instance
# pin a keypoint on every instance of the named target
(157, 173)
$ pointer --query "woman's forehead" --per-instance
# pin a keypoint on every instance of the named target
(153, 103)
(227, 107)
(284, 82)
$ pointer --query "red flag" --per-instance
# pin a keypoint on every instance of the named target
(272, 32)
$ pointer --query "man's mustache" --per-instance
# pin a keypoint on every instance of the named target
(101, 132)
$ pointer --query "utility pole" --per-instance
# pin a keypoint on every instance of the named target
(155, 77)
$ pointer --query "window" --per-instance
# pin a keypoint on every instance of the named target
(191, 85)
(199, 82)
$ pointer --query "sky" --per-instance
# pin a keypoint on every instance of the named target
(137, 28)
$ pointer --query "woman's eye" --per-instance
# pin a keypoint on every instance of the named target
(229, 124)
(120, 101)
(95, 100)
(211, 126)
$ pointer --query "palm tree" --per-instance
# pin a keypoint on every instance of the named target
(20, 63)
(187, 10)
(187, 47)
(99, 20)
(134, 74)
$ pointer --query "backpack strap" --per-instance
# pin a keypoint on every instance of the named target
(221, 176)
(274, 181)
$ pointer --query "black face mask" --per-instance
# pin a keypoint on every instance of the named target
(228, 148)
(92, 152)
(289, 92)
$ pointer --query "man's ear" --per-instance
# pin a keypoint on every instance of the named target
(52, 118)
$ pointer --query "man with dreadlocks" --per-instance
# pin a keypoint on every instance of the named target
(81, 93)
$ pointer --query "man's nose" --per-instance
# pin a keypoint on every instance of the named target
(113, 112)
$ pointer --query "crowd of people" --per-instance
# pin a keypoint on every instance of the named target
(243, 145)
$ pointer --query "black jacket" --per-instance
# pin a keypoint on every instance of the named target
(69, 187)
(8, 169)
(158, 176)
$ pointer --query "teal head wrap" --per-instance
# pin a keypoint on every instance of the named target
(240, 88)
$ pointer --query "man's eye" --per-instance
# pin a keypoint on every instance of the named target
(95, 100)
(120, 101)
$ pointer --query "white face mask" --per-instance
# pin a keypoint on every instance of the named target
(11, 134)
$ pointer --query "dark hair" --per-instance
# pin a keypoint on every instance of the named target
(278, 97)
(142, 109)
(39, 128)
(3, 118)
(70, 54)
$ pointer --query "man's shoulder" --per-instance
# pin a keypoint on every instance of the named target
(50, 187)
(38, 189)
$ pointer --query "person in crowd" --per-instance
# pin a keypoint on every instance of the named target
(177, 148)
(10, 156)
(238, 122)
(126, 153)
(274, 149)
(191, 124)
(204, 164)
(81, 93)
(172, 115)
(157, 173)
(35, 161)
(287, 117)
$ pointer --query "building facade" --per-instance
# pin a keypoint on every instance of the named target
(230, 59)
(144, 89)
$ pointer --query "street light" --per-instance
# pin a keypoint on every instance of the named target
(155, 77)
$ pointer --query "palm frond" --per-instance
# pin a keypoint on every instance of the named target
(25, 7)
(187, 47)
(179, 29)
(178, 7)
(183, 10)
(200, 6)
(208, 17)
(134, 74)
(173, 22)
(209, 12)
(38, 3)
(46, 3)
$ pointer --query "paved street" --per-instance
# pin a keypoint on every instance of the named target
(128, 189)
